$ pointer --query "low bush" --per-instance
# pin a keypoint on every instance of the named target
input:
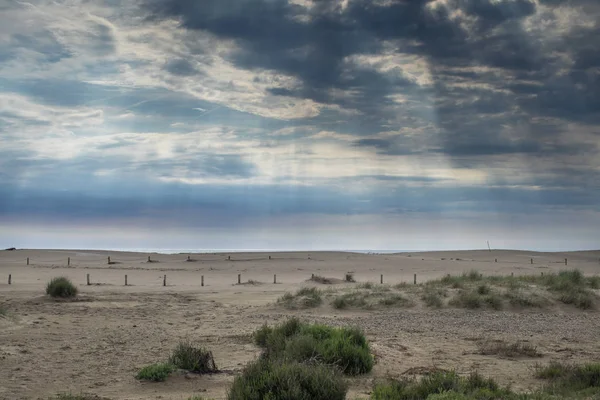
(303, 298)
(155, 372)
(276, 380)
(355, 299)
(444, 385)
(293, 341)
(567, 379)
(193, 359)
(61, 287)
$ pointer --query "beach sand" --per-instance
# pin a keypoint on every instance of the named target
(98, 343)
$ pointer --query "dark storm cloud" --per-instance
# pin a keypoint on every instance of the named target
(529, 77)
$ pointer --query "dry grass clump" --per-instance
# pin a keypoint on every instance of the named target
(510, 350)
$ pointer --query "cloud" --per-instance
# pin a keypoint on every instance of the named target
(357, 106)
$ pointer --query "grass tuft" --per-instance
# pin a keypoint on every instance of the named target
(511, 350)
(303, 298)
(193, 359)
(61, 287)
(155, 372)
(275, 380)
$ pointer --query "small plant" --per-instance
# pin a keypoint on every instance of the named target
(349, 277)
(61, 287)
(193, 359)
(511, 350)
(156, 372)
(483, 289)
(567, 379)
(273, 380)
(519, 298)
(432, 299)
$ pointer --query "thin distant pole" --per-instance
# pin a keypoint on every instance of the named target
(489, 248)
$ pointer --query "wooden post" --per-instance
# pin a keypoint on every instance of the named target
(9, 279)
(532, 260)
(381, 279)
(269, 257)
(27, 260)
(88, 279)
(202, 280)
(542, 274)
(565, 261)
(125, 280)
(188, 258)
(512, 274)
(495, 260)
(239, 279)
(229, 258)
(274, 277)
(165, 280)
(415, 279)
(148, 258)
(108, 259)
(68, 261)
(312, 276)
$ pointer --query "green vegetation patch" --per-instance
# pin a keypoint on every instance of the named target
(61, 287)
(302, 299)
(277, 380)
(293, 341)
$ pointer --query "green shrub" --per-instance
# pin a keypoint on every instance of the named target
(565, 378)
(518, 298)
(395, 300)
(440, 385)
(274, 380)
(467, 299)
(193, 359)
(578, 297)
(61, 287)
(303, 298)
(354, 299)
(293, 341)
(155, 372)
(483, 289)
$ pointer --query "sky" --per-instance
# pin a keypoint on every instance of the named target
(300, 124)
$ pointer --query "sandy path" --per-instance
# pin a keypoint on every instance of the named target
(97, 344)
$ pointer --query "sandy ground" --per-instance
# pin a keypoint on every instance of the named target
(98, 343)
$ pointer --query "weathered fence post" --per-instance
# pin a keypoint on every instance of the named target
(274, 278)
(565, 261)
(68, 261)
(202, 280)
(229, 258)
(125, 280)
(415, 280)
(165, 280)
(108, 259)
(9, 279)
(239, 279)
(381, 279)
(87, 278)
(532, 260)
(27, 260)
(149, 259)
